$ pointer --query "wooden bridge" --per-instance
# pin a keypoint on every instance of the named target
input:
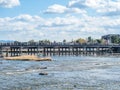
(57, 49)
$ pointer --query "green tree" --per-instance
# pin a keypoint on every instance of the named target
(16, 42)
(44, 41)
(99, 41)
(31, 42)
(90, 40)
(115, 39)
(64, 41)
(80, 40)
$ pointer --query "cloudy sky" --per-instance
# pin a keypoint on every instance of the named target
(24, 20)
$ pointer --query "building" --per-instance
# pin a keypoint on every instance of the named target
(108, 38)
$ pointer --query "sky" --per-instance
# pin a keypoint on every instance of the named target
(25, 20)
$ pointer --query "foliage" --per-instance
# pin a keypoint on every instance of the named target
(64, 41)
(99, 41)
(31, 42)
(44, 41)
(90, 40)
(115, 39)
(81, 41)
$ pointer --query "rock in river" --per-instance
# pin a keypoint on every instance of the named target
(43, 73)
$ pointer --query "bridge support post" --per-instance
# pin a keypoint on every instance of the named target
(0, 51)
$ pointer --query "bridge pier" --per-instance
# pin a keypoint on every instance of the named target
(1, 54)
(14, 51)
(58, 50)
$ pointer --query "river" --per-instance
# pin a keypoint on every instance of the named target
(64, 73)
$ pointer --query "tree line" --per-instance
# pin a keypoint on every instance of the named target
(88, 40)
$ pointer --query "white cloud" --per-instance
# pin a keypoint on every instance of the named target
(59, 9)
(56, 9)
(9, 3)
(100, 7)
(57, 28)
(96, 3)
(104, 5)
(111, 7)
(77, 3)
(80, 18)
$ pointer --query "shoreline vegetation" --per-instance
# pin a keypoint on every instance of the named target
(110, 39)
(28, 58)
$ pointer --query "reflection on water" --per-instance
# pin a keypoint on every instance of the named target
(64, 73)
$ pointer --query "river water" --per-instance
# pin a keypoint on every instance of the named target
(64, 73)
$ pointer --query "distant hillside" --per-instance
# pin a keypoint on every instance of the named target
(6, 41)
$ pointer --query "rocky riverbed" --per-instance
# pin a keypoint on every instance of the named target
(62, 73)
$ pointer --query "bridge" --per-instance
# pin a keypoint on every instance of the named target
(56, 49)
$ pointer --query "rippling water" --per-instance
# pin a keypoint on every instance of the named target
(64, 73)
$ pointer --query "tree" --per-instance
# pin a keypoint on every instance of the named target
(64, 41)
(115, 39)
(44, 41)
(99, 41)
(31, 42)
(80, 40)
(90, 40)
(16, 42)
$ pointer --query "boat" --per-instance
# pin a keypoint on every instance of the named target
(28, 58)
